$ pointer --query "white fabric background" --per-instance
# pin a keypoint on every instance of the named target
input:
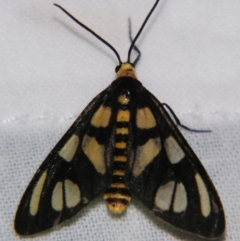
(50, 68)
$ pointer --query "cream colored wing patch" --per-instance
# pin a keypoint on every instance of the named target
(145, 118)
(163, 197)
(174, 194)
(204, 196)
(174, 151)
(72, 193)
(180, 199)
(36, 194)
(95, 152)
(69, 149)
(145, 155)
(57, 197)
(101, 117)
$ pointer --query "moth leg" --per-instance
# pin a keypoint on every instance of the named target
(179, 123)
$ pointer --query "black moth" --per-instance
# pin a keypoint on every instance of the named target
(124, 143)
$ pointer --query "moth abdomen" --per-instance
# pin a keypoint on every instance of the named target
(118, 195)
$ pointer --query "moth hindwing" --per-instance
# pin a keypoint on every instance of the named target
(124, 143)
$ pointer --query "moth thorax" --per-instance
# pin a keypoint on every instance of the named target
(126, 70)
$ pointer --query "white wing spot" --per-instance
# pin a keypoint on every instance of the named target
(204, 196)
(36, 195)
(145, 118)
(101, 117)
(95, 153)
(69, 149)
(57, 197)
(174, 151)
(72, 193)
(180, 199)
(145, 155)
(164, 195)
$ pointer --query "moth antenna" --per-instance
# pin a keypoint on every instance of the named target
(91, 31)
(140, 30)
(134, 47)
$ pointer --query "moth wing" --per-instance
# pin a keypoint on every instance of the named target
(75, 171)
(166, 175)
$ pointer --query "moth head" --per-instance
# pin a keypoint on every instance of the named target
(125, 70)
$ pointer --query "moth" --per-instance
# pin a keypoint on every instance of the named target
(123, 144)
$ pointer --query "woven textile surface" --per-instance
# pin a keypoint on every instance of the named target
(50, 69)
